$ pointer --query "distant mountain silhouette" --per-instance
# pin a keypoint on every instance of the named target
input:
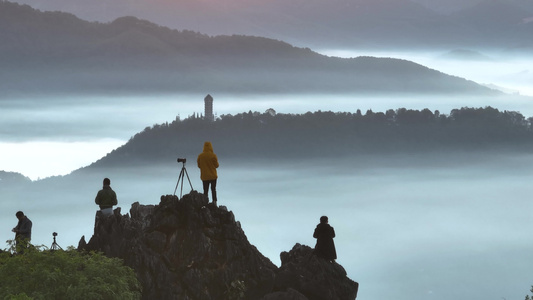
(363, 24)
(54, 52)
(326, 135)
(451, 6)
(7, 178)
(498, 20)
(462, 54)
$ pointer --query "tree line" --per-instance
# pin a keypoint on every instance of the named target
(273, 135)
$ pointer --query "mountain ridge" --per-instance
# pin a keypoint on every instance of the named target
(361, 24)
(59, 53)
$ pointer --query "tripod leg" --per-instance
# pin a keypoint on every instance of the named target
(178, 182)
(186, 173)
(182, 179)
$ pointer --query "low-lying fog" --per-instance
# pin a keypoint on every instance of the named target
(456, 226)
(407, 227)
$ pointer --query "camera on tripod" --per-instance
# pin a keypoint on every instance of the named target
(55, 246)
(181, 176)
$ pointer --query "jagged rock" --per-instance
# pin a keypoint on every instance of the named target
(290, 294)
(314, 277)
(191, 250)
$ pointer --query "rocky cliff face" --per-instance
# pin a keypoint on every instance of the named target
(189, 249)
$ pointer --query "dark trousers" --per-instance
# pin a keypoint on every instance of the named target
(213, 184)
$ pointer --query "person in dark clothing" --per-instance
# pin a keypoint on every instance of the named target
(22, 232)
(324, 234)
(208, 164)
(106, 198)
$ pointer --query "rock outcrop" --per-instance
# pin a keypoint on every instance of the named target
(313, 277)
(189, 249)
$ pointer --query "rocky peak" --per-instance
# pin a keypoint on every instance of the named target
(189, 249)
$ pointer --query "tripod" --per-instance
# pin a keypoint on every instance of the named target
(181, 177)
(55, 246)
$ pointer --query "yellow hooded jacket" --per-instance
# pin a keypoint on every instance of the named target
(208, 163)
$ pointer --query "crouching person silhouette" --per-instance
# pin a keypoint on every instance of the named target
(208, 164)
(106, 198)
(324, 234)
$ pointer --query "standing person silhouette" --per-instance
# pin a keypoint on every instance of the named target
(208, 164)
(324, 234)
(106, 198)
(22, 232)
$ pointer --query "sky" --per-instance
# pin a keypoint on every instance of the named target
(105, 10)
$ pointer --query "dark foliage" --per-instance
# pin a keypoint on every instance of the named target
(44, 274)
(329, 134)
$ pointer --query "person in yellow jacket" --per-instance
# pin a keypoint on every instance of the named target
(208, 164)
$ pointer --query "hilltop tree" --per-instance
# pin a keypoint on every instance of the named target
(528, 297)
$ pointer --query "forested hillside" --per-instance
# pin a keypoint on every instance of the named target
(268, 135)
(58, 53)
